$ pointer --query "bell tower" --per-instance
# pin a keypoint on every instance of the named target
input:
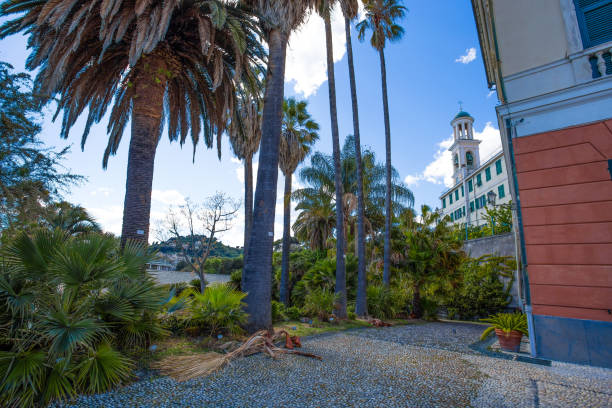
(465, 151)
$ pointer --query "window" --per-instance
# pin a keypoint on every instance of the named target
(498, 167)
(469, 158)
(470, 186)
(457, 195)
(456, 160)
(471, 206)
(462, 192)
(452, 219)
(501, 192)
(444, 202)
(450, 198)
(479, 180)
(488, 173)
(481, 202)
(594, 21)
(463, 211)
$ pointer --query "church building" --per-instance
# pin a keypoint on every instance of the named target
(476, 186)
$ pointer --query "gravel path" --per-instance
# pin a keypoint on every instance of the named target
(428, 365)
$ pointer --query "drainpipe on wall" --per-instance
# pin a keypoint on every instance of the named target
(511, 127)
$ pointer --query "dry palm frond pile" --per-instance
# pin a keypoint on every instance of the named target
(183, 368)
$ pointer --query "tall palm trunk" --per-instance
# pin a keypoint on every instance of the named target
(248, 201)
(340, 307)
(284, 282)
(146, 121)
(388, 214)
(257, 275)
(361, 308)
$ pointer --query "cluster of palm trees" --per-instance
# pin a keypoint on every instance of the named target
(195, 68)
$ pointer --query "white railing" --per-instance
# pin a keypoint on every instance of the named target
(601, 62)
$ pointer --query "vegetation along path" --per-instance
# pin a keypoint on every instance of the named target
(423, 365)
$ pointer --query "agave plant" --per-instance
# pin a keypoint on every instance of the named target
(507, 322)
(70, 307)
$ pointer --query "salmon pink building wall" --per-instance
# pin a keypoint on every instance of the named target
(564, 181)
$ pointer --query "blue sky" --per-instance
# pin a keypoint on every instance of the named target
(437, 64)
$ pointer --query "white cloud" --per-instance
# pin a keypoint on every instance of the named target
(306, 55)
(470, 55)
(110, 217)
(440, 170)
(412, 180)
(104, 191)
(491, 93)
(168, 197)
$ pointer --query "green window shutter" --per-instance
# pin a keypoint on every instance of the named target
(488, 173)
(470, 186)
(462, 192)
(444, 202)
(463, 211)
(498, 167)
(471, 206)
(452, 219)
(479, 180)
(457, 195)
(595, 21)
(500, 191)
(450, 198)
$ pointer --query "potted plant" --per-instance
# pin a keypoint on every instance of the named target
(509, 328)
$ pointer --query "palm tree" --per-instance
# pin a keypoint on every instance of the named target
(324, 8)
(278, 18)
(381, 18)
(316, 221)
(73, 219)
(299, 133)
(245, 135)
(152, 61)
(318, 194)
(349, 10)
(432, 248)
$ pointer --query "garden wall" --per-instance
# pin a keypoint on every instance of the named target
(501, 245)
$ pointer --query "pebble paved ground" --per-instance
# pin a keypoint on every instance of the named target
(428, 365)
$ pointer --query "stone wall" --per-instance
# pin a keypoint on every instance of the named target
(500, 245)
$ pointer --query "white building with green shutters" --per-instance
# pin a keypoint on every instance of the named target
(476, 184)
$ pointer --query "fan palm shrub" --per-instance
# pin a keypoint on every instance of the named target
(72, 310)
(219, 309)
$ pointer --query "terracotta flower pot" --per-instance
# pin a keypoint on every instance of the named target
(509, 341)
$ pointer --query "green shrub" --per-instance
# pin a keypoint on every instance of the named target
(279, 312)
(507, 322)
(236, 279)
(481, 290)
(430, 308)
(72, 309)
(179, 287)
(322, 275)
(218, 309)
(319, 303)
(386, 303)
(293, 313)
